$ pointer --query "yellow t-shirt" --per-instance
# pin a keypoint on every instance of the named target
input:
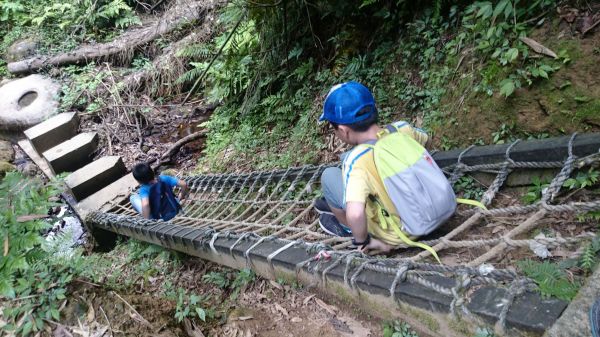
(362, 180)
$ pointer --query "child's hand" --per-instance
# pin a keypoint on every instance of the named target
(377, 245)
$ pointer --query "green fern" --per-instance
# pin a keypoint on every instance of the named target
(588, 259)
(551, 280)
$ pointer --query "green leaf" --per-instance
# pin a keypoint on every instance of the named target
(507, 87)
(201, 314)
(500, 7)
(55, 314)
(512, 54)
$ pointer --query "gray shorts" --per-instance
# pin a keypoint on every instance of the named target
(333, 187)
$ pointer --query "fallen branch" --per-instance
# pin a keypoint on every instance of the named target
(590, 28)
(166, 157)
(136, 315)
(181, 13)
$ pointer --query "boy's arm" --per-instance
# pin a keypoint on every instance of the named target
(357, 220)
(146, 208)
(183, 189)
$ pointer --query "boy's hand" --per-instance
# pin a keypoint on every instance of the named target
(377, 245)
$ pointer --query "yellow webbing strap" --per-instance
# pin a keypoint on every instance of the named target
(471, 202)
(387, 220)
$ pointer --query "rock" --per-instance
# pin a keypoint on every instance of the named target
(7, 153)
(5, 167)
(27, 101)
(21, 50)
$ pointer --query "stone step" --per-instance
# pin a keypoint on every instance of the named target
(114, 192)
(95, 176)
(72, 154)
(53, 131)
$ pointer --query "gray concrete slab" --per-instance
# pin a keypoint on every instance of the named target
(37, 159)
(53, 131)
(95, 176)
(72, 154)
(117, 190)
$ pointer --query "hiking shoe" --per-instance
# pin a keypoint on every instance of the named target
(330, 225)
(322, 207)
(595, 318)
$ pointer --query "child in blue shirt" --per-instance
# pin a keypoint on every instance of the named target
(142, 201)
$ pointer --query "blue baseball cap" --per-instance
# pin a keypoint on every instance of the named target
(344, 101)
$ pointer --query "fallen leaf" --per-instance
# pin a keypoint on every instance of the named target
(275, 284)
(91, 314)
(307, 299)
(30, 217)
(498, 229)
(281, 310)
(325, 306)
(191, 329)
(6, 245)
(296, 320)
(538, 48)
(245, 318)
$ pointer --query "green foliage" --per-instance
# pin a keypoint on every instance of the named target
(469, 188)
(219, 279)
(534, 193)
(83, 81)
(35, 279)
(496, 28)
(589, 257)
(189, 305)
(583, 179)
(551, 280)
(398, 329)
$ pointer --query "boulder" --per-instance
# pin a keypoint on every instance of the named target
(7, 153)
(5, 167)
(27, 101)
(21, 50)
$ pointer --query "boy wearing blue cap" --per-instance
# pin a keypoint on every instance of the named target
(350, 193)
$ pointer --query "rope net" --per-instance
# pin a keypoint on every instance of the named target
(475, 245)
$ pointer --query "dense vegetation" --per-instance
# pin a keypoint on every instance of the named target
(278, 60)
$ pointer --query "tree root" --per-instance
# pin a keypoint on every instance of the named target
(182, 12)
(166, 157)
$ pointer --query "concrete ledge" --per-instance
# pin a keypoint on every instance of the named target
(550, 149)
(117, 190)
(528, 316)
(53, 131)
(95, 176)
(72, 154)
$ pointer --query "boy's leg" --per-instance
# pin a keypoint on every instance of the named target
(333, 193)
(136, 202)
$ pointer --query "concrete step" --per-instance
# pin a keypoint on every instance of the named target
(95, 176)
(72, 154)
(99, 201)
(53, 131)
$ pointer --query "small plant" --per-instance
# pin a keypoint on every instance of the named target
(398, 329)
(469, 188)
(550, 278)
(189, 306)
(505, 134)
(535, 192)
(589, 257)
(219, 279)
(583, 179)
